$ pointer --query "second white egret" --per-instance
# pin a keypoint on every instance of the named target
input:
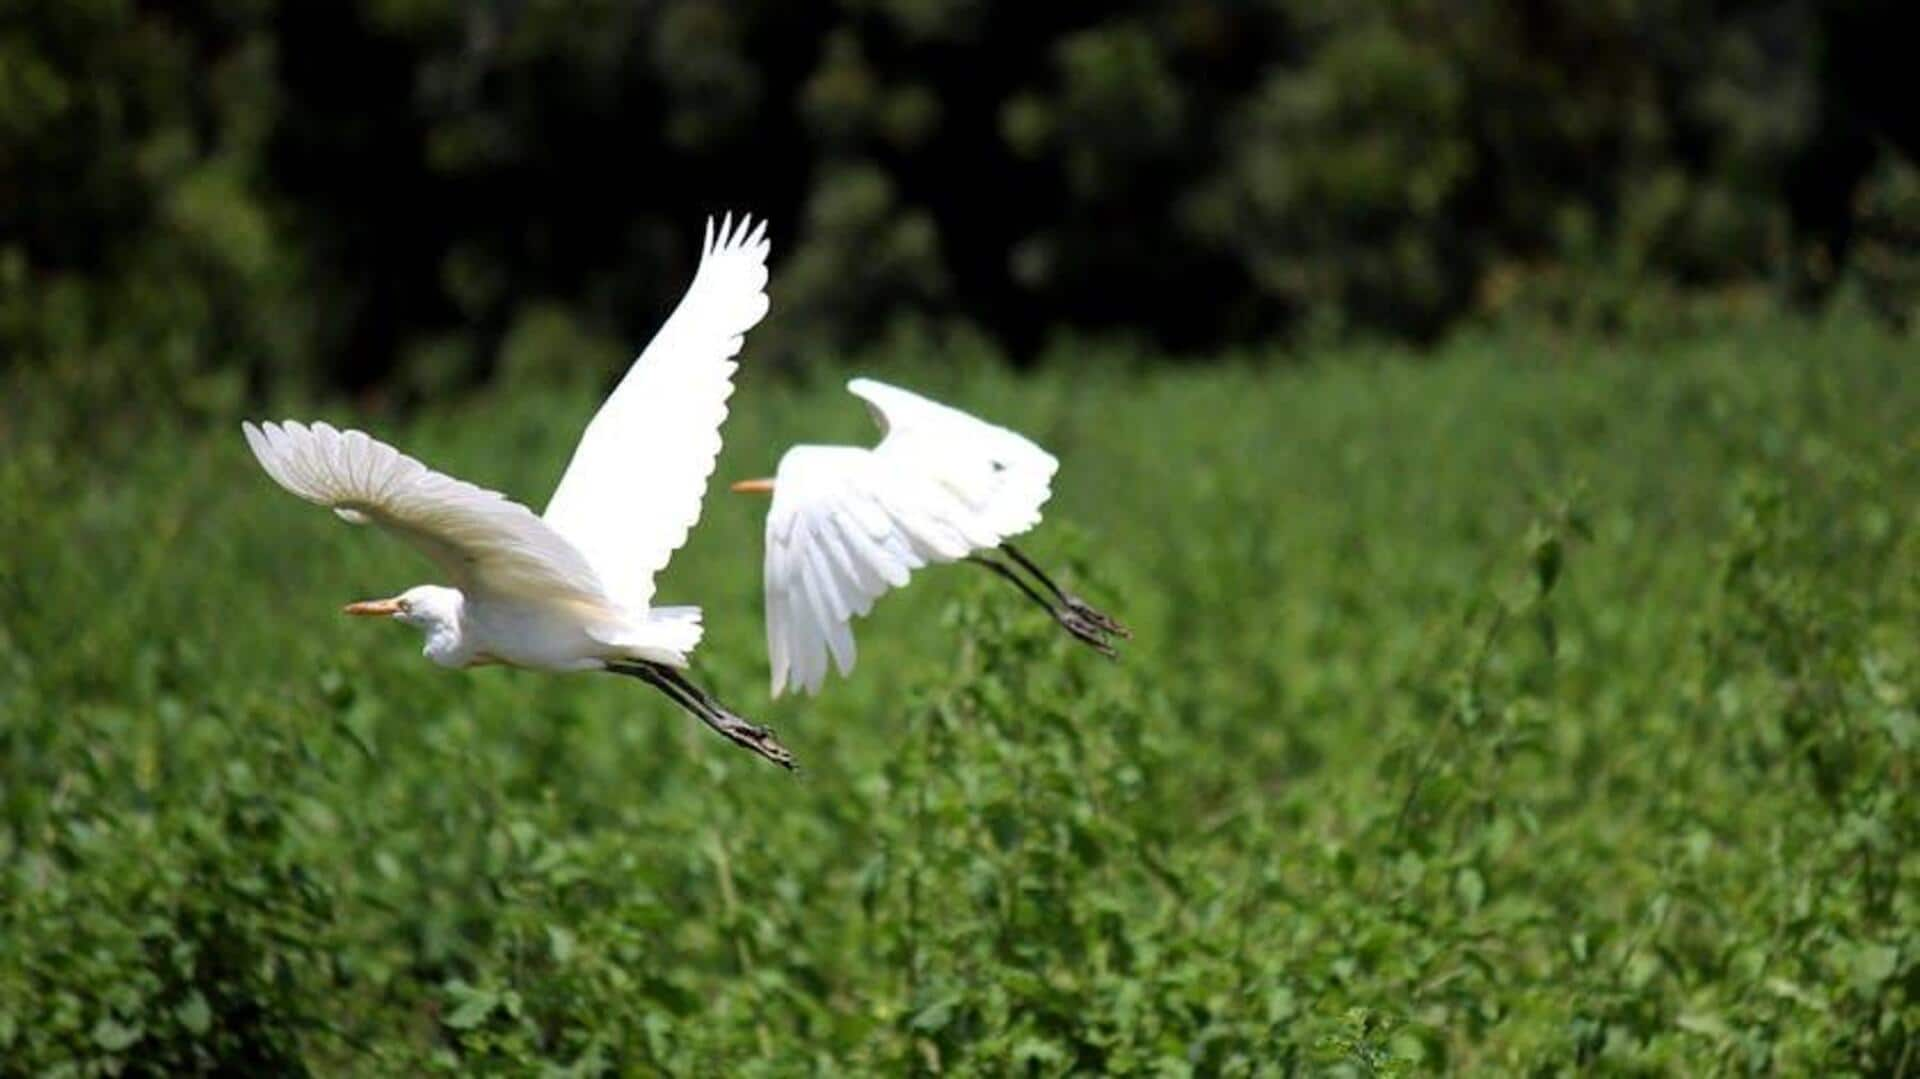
(848, 523)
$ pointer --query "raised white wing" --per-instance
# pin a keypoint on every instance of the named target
(1002, 474)
(634, 486)
(848, 524)
(484, 542)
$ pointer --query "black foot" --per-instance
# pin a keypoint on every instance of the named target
(1081, 621)
(1102, 621)
(1085, 631)
(746, 735)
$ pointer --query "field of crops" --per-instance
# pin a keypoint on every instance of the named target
(1541, 704)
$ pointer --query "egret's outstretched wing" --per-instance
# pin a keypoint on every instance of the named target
(484, 542)
(634, 487)
(846, 525)
(841, 531)
(1001, 474)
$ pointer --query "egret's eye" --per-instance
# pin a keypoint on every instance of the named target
(406, 606)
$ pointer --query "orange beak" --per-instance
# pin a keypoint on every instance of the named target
(373, 608)
(753, 487)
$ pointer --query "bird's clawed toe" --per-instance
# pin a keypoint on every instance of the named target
(1106, 623)
(1086, 631)
(759, 739)
(1079, 618)
(745, 733)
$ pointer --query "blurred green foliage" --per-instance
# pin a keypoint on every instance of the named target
(1543, 706)
(231, 196)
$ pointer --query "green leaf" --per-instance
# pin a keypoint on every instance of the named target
(1874, 964)
(1795, 992)
(194, 1014)
(1029, 1051)
(934, 1017)
(1470, 887)
(474, 1008)
(1705, 1024)
(1901, 727)
(113, 1035)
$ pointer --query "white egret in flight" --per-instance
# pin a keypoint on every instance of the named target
(571, 590)
(848, 523)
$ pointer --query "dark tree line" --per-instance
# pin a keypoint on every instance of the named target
(393, 192)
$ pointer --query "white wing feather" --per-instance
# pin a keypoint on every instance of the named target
(849, 524)
(484, 542)
(634, 486)
(1002, 473)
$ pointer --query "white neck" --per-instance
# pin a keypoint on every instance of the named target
(447, 646)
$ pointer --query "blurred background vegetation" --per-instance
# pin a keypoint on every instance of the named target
(220, 199)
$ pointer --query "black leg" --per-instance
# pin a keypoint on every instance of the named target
(709, 711)
(1000, 569)
(1080, 628)
(1069, 600)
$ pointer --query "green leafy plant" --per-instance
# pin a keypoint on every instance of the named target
(1544, 704)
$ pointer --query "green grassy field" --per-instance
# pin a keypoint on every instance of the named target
(1540, 705)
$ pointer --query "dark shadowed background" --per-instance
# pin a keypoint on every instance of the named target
(404, 194)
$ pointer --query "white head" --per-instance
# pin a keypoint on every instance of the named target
(434, 610)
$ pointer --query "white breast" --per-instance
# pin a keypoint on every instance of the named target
(541, 637)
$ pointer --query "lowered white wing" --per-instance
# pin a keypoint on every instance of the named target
(484, 542)
(634, 486)
(848, 524)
